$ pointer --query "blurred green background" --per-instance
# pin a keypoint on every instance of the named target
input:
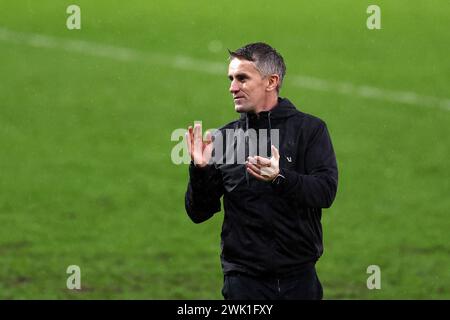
(86, 117)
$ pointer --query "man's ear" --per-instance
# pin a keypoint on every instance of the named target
(274, 81)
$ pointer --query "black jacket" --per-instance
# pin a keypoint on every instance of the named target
(268, 229)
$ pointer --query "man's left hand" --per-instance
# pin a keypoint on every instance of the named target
(262, 168)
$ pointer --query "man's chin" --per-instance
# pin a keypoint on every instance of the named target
(241, 108)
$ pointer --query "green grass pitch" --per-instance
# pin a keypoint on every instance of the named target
(86, 176)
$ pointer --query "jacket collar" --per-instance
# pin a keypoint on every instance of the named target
(283, 109)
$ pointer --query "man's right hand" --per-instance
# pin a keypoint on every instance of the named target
(200, 150)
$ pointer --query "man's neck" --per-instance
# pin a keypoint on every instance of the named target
(269, 105)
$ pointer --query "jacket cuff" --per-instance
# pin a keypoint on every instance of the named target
(290, 180)
(200, 175)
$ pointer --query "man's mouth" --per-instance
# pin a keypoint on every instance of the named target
(238, 98)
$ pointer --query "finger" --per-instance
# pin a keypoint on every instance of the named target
(191, 134)
(191, 139)
(188, 142)
(252, 160)
(207, 146)
(253, 167)
(275, 153)
(256, 175)
(197, 131)
(208, 137)
(255, 163)
(263, 161)
(198, 139)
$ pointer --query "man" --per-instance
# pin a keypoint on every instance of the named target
(272, 232)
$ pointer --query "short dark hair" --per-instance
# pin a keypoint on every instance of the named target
(267, 60)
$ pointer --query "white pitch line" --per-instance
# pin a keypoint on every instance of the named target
(188, 63)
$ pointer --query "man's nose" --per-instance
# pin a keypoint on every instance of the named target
(234, 87)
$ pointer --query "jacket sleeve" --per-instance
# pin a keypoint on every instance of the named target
(205, 188)
(317, 188)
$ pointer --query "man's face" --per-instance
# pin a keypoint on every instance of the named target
(248, 87)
